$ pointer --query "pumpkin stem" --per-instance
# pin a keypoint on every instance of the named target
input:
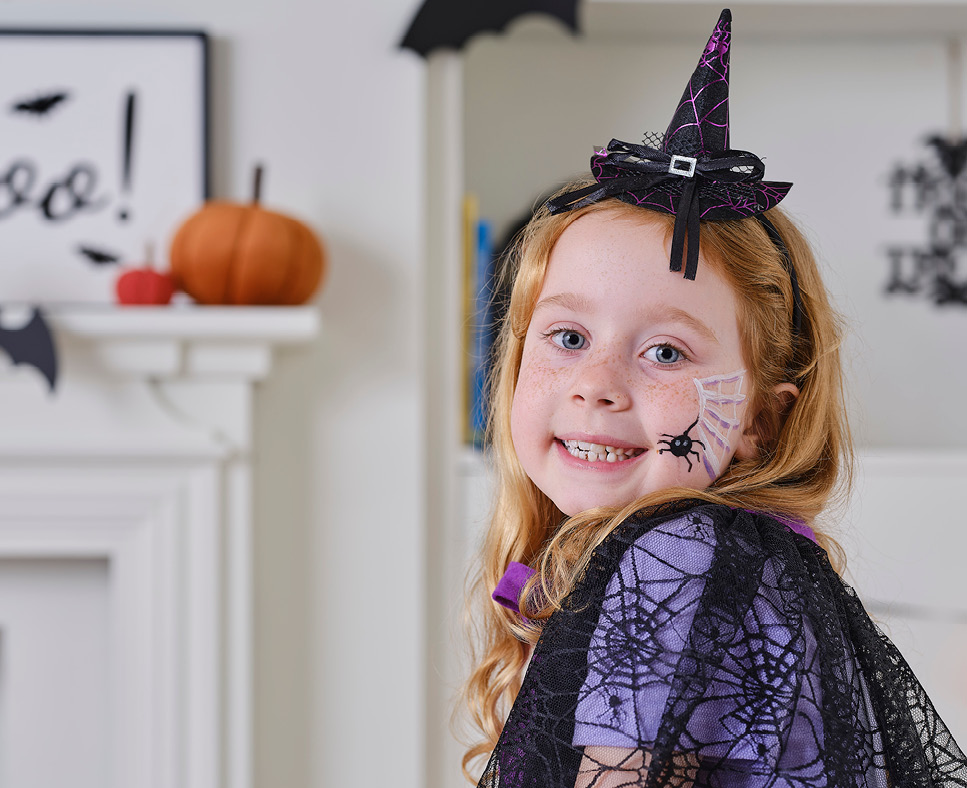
(257, 186)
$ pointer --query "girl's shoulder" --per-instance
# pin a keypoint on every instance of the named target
(698, 555)
(694, 532)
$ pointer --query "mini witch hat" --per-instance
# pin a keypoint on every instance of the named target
(690, 171)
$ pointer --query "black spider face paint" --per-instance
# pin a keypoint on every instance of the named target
(682, 445)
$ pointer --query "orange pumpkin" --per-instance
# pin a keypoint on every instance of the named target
(233, 253)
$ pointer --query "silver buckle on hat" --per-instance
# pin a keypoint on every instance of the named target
(682, 165)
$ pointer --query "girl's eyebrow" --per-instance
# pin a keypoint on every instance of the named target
(575, 302)
(681, 316)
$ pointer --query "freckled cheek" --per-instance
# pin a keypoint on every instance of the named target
(538, 379)
(669, 404)
(529, 427)
(526, 408)
(538, 392)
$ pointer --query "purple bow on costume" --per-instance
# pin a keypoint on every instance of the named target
(509, 587)
(507, 592)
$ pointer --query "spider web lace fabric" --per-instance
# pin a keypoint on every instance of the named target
(711, 647)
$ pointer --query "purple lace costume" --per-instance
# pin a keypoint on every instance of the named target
(706, 646)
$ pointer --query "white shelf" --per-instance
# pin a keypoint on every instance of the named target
(186, 341)
(279, 325)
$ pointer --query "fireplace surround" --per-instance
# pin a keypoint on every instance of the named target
(133, 481)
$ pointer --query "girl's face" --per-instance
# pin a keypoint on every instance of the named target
(632, 378)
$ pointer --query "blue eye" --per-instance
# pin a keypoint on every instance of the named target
(568, 339)
(664, 354)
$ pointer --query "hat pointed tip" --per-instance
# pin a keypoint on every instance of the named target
(700, 124)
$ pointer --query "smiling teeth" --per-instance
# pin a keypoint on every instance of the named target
(597, 452)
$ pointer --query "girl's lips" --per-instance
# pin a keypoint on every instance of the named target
(601, 440)
(616, 460)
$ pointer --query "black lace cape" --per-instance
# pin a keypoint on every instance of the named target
(706, 646)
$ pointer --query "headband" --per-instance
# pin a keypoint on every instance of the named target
(690, 171)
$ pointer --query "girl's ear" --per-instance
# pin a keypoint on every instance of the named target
(785, 395)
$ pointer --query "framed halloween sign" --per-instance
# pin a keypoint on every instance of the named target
(103, 151)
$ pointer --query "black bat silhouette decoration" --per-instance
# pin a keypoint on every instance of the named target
(445, 23)
(32, 344)
(41, 105)
(98, 256)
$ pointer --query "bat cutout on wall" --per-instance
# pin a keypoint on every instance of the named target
(98, 256)
(444, 23)
(41, 105)
(32, 344)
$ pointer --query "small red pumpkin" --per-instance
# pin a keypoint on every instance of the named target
(234, 253)
(144, 285)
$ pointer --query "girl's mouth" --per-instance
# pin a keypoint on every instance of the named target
(597, 452)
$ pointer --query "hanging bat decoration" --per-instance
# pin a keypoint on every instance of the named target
(32, 344)
(936, 189)
(448, 24)
(42, 105)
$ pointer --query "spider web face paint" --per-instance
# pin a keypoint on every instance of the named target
(719, 418)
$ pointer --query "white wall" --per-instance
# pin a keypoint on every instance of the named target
(319, 91)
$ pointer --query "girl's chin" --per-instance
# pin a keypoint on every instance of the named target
(595, 492)
(571, 504)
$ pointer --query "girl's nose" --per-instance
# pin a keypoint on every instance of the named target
(602, 384)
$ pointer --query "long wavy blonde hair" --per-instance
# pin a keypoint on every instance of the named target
(804, 450)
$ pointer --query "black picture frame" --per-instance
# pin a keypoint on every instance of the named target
(105, 150)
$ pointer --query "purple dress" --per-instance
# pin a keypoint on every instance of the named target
(721, 648)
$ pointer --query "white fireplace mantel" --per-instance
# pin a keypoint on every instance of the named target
(140, 459)
(188, 341)
(148, 381)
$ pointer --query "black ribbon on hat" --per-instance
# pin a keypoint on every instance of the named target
(639, 168)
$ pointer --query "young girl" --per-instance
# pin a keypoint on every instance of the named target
(667, 422)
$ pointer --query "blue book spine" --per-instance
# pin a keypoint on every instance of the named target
(483, 334)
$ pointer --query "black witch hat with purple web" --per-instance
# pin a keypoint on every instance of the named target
(690, 171)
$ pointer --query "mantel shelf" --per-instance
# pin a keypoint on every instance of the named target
(186, 342)
(273, 325)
